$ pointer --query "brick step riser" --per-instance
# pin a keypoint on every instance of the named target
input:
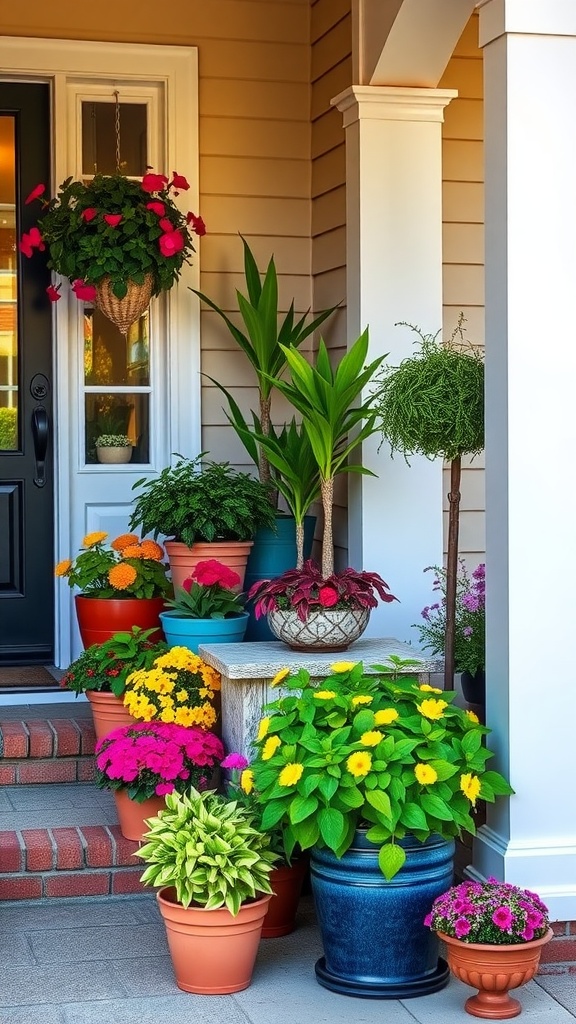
(41, 752)
(92, 860)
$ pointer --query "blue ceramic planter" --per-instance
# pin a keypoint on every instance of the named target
(273, 552)
(191, 633)
(375, 942)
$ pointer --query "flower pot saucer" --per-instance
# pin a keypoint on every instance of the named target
(393, 989)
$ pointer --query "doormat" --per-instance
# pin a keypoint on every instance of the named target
(26, 676)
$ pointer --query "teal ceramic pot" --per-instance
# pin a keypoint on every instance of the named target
(273, 552)
(185, 632)
(376, 945)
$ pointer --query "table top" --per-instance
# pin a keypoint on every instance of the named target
(264, 660)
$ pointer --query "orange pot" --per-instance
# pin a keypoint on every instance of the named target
(232, 553)
(132, 815)
(287, 885)
(108, 712)
(213, 952)
(494, 970)
(99, 618)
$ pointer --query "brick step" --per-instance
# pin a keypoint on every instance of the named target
(64, 841)
(36, 751)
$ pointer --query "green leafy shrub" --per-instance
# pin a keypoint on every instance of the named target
(8, 429)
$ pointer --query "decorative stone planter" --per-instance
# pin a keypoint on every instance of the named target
(328, 629)
(115, 455)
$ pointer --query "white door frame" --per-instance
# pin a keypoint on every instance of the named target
(61, 63)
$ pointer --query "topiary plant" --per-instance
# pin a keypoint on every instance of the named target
(209, 849)
(204, 501)
(433, 405)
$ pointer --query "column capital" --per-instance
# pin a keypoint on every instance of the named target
(525, 17)
(392, 103)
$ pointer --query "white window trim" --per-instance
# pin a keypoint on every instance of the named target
(57, 62)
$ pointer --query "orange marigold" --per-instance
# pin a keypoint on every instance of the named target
(152, 550)
(63, 568)
(121, 576)
(94, 538)
(133, 551)
(123, 541)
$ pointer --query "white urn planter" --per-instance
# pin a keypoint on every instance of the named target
(325, 629)
(114, 455)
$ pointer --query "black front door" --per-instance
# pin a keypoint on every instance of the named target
(26, 437)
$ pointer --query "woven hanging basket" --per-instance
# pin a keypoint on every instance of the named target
(124, 312)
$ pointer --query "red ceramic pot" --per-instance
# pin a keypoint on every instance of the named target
(99, 618)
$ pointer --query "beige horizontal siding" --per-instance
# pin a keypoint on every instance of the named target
(463, 250)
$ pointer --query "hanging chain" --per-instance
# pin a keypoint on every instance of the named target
(117, 129)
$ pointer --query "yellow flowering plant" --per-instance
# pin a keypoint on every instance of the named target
(179, 687)
(126, 568)
(380, 751)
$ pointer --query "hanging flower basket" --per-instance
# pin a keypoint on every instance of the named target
(119, 241)
(124, 312)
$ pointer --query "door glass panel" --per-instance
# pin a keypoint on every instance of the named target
(8, 292)
(99, 138)
(112, 358)
(114, 414)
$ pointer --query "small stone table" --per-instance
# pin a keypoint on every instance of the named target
(247, 668)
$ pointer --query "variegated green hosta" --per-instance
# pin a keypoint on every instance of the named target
(377, 750)
(208, 848)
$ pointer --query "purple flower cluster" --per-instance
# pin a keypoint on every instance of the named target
(150, 758)
(469, 641)
(489, 912)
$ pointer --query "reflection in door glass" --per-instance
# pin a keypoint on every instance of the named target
(117, 420)
(99, 138)
(8, 317)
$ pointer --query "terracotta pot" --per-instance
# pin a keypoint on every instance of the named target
(108, 712)
(287, 885)
(233, 553)
(326, 629)
(494, 970)
(99, 618)
(213, 952)
(132, 815)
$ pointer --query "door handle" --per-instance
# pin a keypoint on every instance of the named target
(40, 432)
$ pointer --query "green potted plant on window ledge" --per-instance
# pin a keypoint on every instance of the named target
(207, 509)
(113, 449)
(117, 240)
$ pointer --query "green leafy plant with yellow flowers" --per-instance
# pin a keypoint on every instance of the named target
(381, 751)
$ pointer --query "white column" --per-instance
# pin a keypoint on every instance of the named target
(530, 90)
(394, 273)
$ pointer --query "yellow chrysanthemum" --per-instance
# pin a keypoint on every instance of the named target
(425, 774)
(167, 715)
(270, 747)
(247, 780)
(165, 701)
(473, 717)
(280, 676)
(324, 694)
(359, 764)
(133, 551)
(184, 716)
(263, 728)
(470, 786)
(385, 716)
(181, 696)
(343, 666)
(362, 698)
(371, 738)
(290, 774)
(97, 537)
(432, 708)
(152, 550)
(63, 567)
(123, 541)
(429, 689)
(121, 576)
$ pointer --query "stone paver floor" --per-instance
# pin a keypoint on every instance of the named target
(105, 960)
